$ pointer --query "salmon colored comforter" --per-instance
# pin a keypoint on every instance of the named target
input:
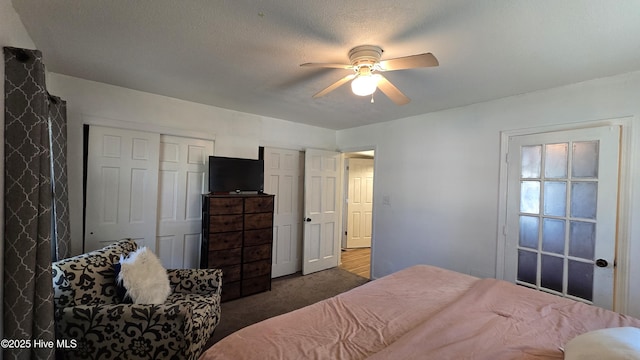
(422, 312)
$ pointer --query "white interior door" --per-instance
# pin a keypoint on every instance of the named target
(284, 170)
(562, 212)
(182, 179)
(360, 203)
(322, 209)
(122, 187)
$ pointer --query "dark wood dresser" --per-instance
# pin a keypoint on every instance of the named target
(237, 237)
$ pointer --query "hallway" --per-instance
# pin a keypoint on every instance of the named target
(357, 261)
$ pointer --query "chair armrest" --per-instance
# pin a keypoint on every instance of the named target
(196, 281)
(125, 331)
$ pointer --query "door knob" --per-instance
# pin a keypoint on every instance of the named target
(307, 219)
(602, 263)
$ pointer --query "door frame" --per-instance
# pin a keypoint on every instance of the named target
(347, 157)
(343, 197)
(152, 128)
(373, 206)
(623, 227)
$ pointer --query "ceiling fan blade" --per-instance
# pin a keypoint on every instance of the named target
(334, 86)
(409, 62)
(392, 92)
(327, 65)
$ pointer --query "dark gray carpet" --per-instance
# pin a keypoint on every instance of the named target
(287, 293)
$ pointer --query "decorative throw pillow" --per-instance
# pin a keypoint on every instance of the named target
(144, 277)
(611, 344)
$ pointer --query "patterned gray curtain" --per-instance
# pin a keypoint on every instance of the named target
(61, 230)
(28, 289)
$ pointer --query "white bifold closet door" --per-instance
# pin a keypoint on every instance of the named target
(122, 187)
(148, 187)
(182, 179)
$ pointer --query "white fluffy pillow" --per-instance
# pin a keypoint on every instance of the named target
(611, 344)
(144, 277)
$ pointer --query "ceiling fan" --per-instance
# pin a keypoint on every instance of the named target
(366, 64)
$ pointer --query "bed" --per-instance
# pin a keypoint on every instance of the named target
(424, 312)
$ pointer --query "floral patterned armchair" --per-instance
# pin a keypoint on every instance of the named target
(97, 325)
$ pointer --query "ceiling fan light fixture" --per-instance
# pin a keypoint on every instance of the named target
(365, 85)
(365, 60)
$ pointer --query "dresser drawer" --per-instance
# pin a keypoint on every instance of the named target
(224, 257)
(256, 285)
(256, 268)
(258, 237)
(255, 253)
(230, 291)
(225, 240)
(225, 223)
(258, 221)
(221, 206)
(230, 274)
(258, 204)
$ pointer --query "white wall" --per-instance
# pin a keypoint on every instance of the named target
(235, 134)
(440, 174)
(12, 33)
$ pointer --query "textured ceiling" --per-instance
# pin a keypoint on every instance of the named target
(245, 55)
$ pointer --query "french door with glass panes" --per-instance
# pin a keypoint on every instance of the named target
(561, 212)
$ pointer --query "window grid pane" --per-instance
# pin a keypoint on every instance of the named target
(585, 159)
(551, 272)
(530, 197)
(527, 266)
(531, 158)
(580, 280)
(584, 196)
(555, 161)
(529, 232)
(553, 235)
(555, 198)
(582, 239)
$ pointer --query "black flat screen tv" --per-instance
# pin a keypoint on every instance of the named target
(235, 175)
